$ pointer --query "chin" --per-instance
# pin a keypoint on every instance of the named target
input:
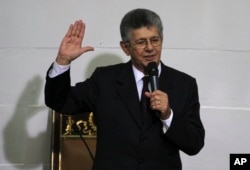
(153, 60)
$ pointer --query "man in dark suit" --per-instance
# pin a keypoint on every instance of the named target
(128, 137)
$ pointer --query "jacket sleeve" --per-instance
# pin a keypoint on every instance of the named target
(187, 132)
(64, 98)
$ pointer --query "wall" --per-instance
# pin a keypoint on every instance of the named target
(208, 39)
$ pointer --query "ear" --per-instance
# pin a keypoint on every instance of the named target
(125, 48)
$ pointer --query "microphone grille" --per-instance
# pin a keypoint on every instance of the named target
(152, 69)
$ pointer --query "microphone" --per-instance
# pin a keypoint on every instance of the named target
(152, 70)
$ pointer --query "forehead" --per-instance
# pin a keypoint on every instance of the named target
(144, 33)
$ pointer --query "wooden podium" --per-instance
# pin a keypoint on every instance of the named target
(68, 150)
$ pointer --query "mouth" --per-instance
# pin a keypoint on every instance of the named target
(149, 57)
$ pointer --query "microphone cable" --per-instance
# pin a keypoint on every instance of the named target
(79, 132)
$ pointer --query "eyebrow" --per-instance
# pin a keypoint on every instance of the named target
(148, 38)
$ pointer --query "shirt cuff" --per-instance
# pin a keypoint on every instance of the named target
(167, 122)
(57, 69)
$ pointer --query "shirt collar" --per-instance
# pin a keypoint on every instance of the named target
(139, 75)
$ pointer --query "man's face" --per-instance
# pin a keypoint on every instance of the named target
(145, 46)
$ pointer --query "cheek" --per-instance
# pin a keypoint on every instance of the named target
(137, 58)
(138, 54)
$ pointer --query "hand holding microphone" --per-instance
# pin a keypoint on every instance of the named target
(158, 99)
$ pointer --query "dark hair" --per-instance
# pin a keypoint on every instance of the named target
(138, 18)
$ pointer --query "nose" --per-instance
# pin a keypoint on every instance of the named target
(149, 45)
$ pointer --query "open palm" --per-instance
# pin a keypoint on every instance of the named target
(71, 45)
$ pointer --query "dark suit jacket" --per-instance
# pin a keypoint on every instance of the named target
(124, 142)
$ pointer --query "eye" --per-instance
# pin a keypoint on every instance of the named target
(155, 39)
(140, 42)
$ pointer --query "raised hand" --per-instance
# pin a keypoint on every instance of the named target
(71, 45)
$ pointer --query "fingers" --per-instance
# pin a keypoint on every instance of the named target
(158, 101)
(71, 45)
(76, 30)
(82, 30)
(86, 49)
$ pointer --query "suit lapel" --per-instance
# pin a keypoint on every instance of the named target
(128, 92)
(166, 81)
